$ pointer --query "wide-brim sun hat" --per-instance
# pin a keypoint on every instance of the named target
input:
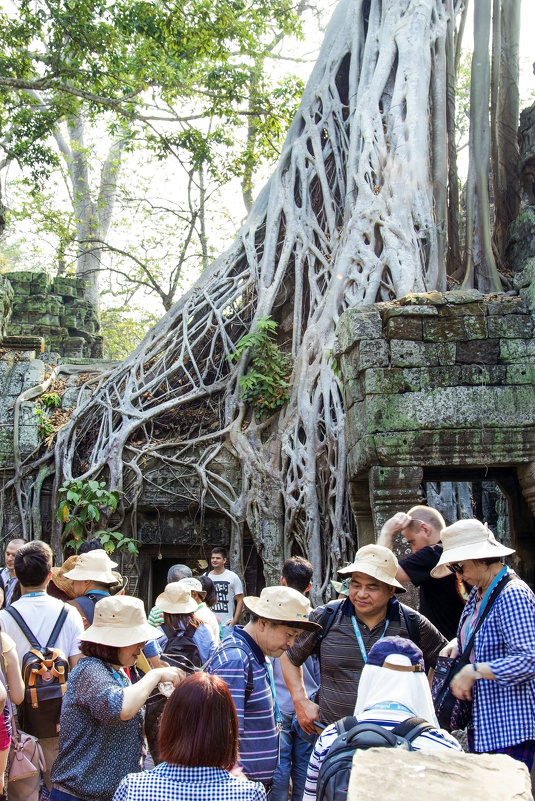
(341, 587)
(282, 605)
(375, 561)
(58, 576)
(194, 585)
(176, 599)
(120, 621)
(93, 566)
(467, 539)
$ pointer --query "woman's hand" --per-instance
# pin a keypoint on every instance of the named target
(172, 674)
(462, 683)
(451, 649)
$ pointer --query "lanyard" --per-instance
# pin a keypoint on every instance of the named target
(121, 677)
(34, 594)
(471, 625)
(271, 681)
(360, 641)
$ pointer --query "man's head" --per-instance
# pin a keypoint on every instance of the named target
(92, 571)
(33, 563)
(277, 617)
(297, 573)
(11, 549)
(218, 558)
(428, 523)
(177, 572)
(373, 581)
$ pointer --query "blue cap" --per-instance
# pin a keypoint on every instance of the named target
(395, 645)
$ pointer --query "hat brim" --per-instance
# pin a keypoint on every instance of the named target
(79, 574)
(371, 570)
(62, 583)
(476, 550)
(251, 604)
(165, 605)
(120, 636)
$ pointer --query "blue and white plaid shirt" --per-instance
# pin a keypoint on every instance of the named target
(504, 710)
(179, 783)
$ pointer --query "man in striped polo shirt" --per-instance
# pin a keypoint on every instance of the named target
(370, 613)
(277, 617)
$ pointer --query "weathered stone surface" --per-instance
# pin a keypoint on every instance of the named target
(411, 310)
(405, 353)
(371, 353)
(389, 773)
(506, 305)
(520, 244)
(405, 327)
(393, 380)
(361, 323)
(452, 329)
(511, 326)
(520, 374)
(517, 350)
(459, 296)
(478, 351)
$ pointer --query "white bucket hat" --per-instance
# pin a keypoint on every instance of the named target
(120, 620)
(194, 585)
(176, 599)
(467, 539)
(282, 605)
(378, 562)
(93, 566)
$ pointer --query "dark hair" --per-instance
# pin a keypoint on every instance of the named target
(199, 725)
(181, 620)
(33, 563)
(297, 572)
(108, 653)
(220, 550)
(209, 588)
(90, 545)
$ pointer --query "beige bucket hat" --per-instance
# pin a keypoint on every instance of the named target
(194, 585)
(120, 620)
(93, 566)
(467, 539)
(375, 561)
(282, 605)
(176, 599)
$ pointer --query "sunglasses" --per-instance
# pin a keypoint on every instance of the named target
(456, 567)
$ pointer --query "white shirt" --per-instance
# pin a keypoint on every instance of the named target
(227, 586)
(40, 613)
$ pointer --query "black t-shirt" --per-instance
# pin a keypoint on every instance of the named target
(441, 600)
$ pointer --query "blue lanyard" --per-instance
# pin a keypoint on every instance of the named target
(271, 681)
(34, 594)
(470, 626)
(360, 641)
(121, 677)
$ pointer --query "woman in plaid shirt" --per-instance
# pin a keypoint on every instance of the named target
(501, 675)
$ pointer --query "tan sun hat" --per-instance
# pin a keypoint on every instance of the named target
(467, 539)
(176, 599)
(58, 576)
(93, 566)
(120, 620)
(375, 561)
(282, 605)
(194, 585)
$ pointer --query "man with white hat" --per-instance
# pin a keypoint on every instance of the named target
(368, 614)
(92, 578)
(277, 617)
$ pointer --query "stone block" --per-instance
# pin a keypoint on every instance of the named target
(385, 381)
(463, 309)
(405, 353)
(371, 353)
(453, 329)
(520, 374)
(478, 351)
(506, 305)
(391, 773)
(404, 327)
(460, 296)
(357, 324)
(516, 350)
(432, 298)
(510, 326)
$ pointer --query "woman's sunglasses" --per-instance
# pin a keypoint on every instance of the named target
(455, 567)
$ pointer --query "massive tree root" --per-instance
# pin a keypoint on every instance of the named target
(348, 218)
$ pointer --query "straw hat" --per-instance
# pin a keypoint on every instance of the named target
(176, 599)
(194, 585)
(282, 605)
(58, 576)
(120, 620)
(378, 562)
(93, 566)
(467, 539)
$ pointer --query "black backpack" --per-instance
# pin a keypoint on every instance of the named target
(44, 672)
(333, 777)
(181, 648)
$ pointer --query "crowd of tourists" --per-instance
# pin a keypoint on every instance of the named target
(102, 703)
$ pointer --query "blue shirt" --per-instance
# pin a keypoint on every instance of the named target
(504, 710)
(241, 663)
(179, 783)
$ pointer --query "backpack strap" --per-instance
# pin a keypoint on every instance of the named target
(168, 631)
(249, 686)
(412, 620)
(345, 724)
(19, 620)
(58, 625)
(328, 616)
(411, 728)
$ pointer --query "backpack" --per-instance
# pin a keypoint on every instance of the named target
(181, 648)
(44, 672)
(333, 776)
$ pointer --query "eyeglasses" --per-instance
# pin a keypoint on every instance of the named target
(456, 567)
